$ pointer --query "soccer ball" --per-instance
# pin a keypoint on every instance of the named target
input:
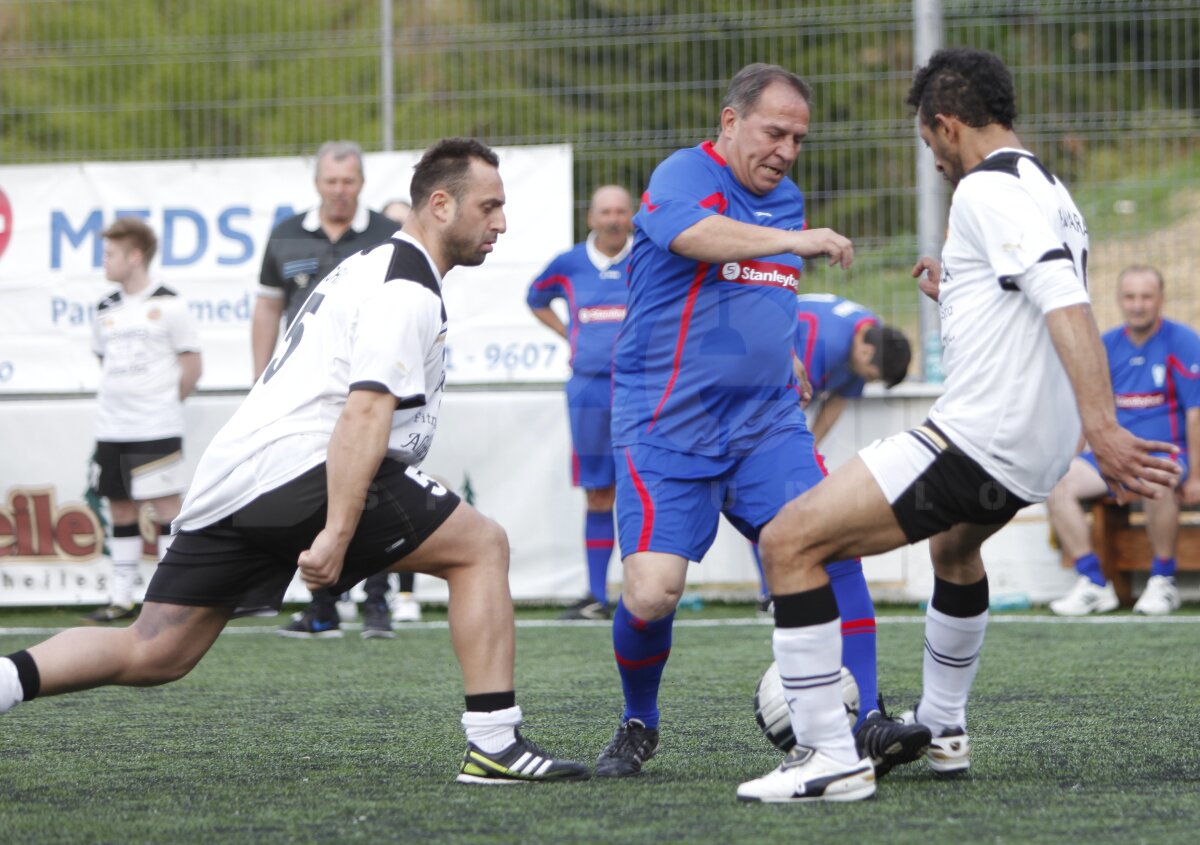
(771, 709)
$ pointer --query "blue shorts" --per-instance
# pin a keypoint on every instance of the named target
(670, 502)
(1181, 459)
(589, 407)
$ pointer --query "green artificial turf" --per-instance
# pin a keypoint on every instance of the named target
(1080, 731)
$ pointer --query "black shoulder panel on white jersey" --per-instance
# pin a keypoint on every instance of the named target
(163, 290)
(409, 264)
(110, 301)
(1007, 163)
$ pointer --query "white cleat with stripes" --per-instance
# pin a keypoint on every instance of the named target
(521, 762)
(806, 774)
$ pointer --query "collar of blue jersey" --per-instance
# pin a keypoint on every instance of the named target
(602, 261)
(362, 217)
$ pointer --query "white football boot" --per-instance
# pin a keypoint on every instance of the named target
(949, 750)
(1086, 597)
(807, 774)
(1160, 597)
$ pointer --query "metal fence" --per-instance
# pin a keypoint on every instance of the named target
(1109, 94)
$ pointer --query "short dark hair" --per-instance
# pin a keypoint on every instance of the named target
(892, 355)
(972, 85)
(445, 165)
(135, 233)
(745, 89)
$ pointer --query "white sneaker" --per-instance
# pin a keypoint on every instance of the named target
(405, 608)
(1160, 597)
(949, 750)
(807, 774)
(1086, 597)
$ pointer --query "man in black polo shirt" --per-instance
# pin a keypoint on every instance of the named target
(301, 251)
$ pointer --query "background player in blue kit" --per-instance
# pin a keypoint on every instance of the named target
(705, 417)
(842, 346)
(839, 347)
(1155, 368)
(592, 278)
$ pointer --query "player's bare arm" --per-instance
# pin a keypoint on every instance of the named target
(718, 239)
(190, 369)
(928, 273)
(1125, 460)
(264, 331)
(548, 318)
(802, 379)
(356, 450)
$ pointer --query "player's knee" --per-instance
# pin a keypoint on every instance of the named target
(157, 665)
(651, 601)
(492, 544)
(783, 541)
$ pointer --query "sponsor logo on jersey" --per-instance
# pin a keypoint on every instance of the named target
(5, 221)
(1136, 401)
(754, 272)
(1159, 374)
(602, 314)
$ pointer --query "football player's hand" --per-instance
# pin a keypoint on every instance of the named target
(1127, 463)
(802, 380)
(321, 564)
(812, 243)
(928, 273)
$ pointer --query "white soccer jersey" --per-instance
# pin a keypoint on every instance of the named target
(1008, 403)
(376, 323)
(139, 338)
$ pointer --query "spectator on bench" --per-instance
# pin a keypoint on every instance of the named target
(1155, 367)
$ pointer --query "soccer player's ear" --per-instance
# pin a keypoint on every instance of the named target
(441, 203)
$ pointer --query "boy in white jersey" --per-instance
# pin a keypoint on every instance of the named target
(1023, 364)
(317, 469)
(149, 362)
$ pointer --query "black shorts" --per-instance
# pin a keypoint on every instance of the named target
(140, 470)
(933, 485)
(246, 560)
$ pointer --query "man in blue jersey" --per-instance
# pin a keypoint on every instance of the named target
(842, 346)
(591, 278)
(705, 417)
(1155, 367)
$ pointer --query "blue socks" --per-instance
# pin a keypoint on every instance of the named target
(1163, 566)
(598, 543)
(857, 612)
(1089, 565)
(641, 649)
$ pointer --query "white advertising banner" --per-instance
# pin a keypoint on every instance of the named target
(213, 218)
(505, 451)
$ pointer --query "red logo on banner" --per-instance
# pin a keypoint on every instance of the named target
(5, 221)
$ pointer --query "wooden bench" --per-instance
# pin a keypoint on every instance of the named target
(1119, 538)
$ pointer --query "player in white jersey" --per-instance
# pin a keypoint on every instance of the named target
(1023, 364)
(317, 469)
(149, 362)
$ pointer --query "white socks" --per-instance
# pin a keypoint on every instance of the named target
(493, 731)
(952, 647)
(126, 553)
(11, 693)
(810, 665)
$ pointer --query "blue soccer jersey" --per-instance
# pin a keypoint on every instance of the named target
(1155, 384)
(595, 288)
(825, 329)
(703, 363)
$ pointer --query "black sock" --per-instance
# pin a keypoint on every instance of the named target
(27, 674)
(810, 607)
(486, 702)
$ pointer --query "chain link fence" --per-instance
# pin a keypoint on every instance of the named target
(1109, 94)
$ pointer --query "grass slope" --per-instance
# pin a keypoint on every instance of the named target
(1080, 731)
